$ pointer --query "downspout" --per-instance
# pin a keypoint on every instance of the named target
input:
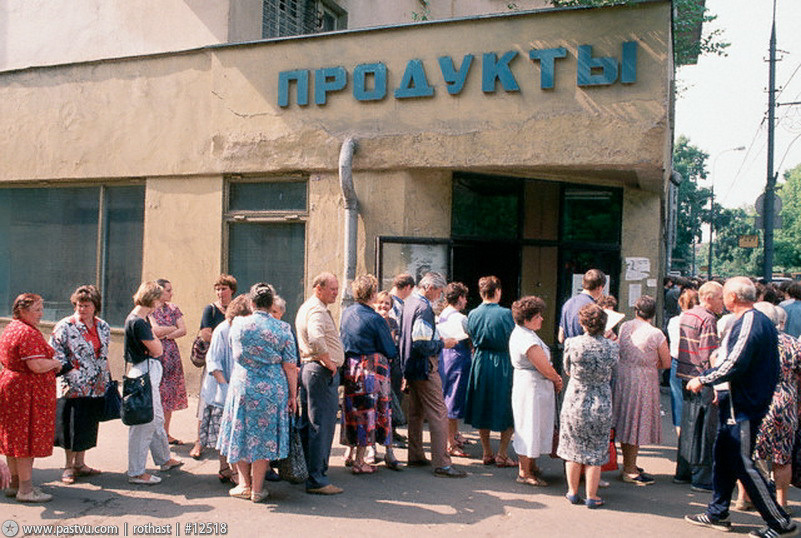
(351, 216)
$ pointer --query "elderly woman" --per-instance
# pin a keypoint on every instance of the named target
(587, 406)
(454, 365)
(213, 314)
(262, 393)
(687, 300)
(368, 345)
(774, 441)
(143, 350)
(219, 365)
(81, 344)
(168, 324)
(488, 405)
(27, 397)
(534, 388)
(643, 351)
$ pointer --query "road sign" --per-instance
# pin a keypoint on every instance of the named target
(759, 222)
(748, 241)
(759, 205)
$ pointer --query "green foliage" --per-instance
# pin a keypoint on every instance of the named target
(690, 14)
(425, 13)
(690, 162)
(787, 239)
(729, 258)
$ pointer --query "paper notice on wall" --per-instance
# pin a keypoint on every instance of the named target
(612, 319)
(578, 278)
(651, 282)
(637, 268)
(635, 292)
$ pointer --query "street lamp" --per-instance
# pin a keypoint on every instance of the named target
(712, 207)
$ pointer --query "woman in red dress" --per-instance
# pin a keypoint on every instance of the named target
(27, 397)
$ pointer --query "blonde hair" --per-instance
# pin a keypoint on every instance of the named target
(148, 293)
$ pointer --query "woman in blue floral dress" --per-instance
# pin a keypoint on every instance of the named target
(261, 395)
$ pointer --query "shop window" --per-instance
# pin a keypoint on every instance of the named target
(592, 215)
(266, 223)
(415, 256)
(282, 18)
(56, 239)
(486, 207)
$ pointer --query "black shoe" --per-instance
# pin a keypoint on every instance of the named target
(767, 532)
(702, 488)
(398, 437)
(272, 476)
(393, 465)
(641, 479)
(704, 520)
(418, 463)
(449, 472)
(677, 480)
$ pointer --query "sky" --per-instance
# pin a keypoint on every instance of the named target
(724, 100)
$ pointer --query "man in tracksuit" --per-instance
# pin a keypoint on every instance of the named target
(749, 362)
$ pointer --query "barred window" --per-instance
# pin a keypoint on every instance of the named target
(282, 18)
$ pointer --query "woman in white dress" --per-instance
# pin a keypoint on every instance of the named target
(534, 389)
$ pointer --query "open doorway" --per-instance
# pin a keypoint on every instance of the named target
(472, 260)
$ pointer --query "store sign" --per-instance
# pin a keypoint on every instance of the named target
(369, 81)
(748, 241)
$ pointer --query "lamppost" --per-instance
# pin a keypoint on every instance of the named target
(712, 208)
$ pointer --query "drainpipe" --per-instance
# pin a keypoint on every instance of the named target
(351, 216)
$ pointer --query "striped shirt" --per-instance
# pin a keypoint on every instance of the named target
(698, 338)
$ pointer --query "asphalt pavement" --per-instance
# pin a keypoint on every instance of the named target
(192, 501)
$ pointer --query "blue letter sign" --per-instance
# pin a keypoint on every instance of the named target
(328, 79)
(414, 82)
(301, 76)
(455, 80)
(547, 58)
(379, 73)
(494, 70)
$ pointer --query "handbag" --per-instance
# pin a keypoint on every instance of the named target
(137, 399)
(611, 465)
(293, 468)
(199, 349)
(112, 402)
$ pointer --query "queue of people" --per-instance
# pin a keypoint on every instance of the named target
(489, 367)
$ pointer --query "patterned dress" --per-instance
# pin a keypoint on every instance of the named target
(255, 421)
(489, 390)
(173, 384)
(586, 415)
(636, 394)
(27, 399)
(774, 441)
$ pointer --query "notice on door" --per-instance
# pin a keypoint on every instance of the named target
(638, 268)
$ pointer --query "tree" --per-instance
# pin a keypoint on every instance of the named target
(729, 258)
(690, 162)
(690, 16)
(787, 243)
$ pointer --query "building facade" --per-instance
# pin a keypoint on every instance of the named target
(534, 149)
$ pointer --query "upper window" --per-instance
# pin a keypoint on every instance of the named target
(266, 222)
(56, 239)
(486, 207)
(297, 17)
(590, 214)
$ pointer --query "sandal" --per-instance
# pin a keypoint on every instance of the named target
(531, 481)
(504, 461)
(197, 451)
(68, 476)
(85, 470)
(488, 460)
(174, 441)
(364, 468)
(225, 475)
(457, 451)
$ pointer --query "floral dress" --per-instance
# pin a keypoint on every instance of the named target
(774, 440)
(27, 399)
(173, 385)
(255, 421)
(586, 415)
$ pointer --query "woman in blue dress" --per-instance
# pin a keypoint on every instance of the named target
(489, 391)
(261, 395)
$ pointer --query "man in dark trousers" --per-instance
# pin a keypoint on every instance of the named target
(698, 340)
(750, 364)
(420, 345)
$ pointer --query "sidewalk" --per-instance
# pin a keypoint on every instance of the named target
(412, 503)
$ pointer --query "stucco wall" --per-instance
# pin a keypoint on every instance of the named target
(182, 243)
(365, 13)
(641, 238)
(215, 111)
(48, 32)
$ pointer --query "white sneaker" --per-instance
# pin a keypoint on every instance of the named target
(152, 480)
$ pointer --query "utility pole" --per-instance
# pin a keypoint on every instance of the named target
(770, 187)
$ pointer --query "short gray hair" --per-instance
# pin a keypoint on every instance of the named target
(279, 302)
(742, 288)
(770, 311)
(432, 280)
